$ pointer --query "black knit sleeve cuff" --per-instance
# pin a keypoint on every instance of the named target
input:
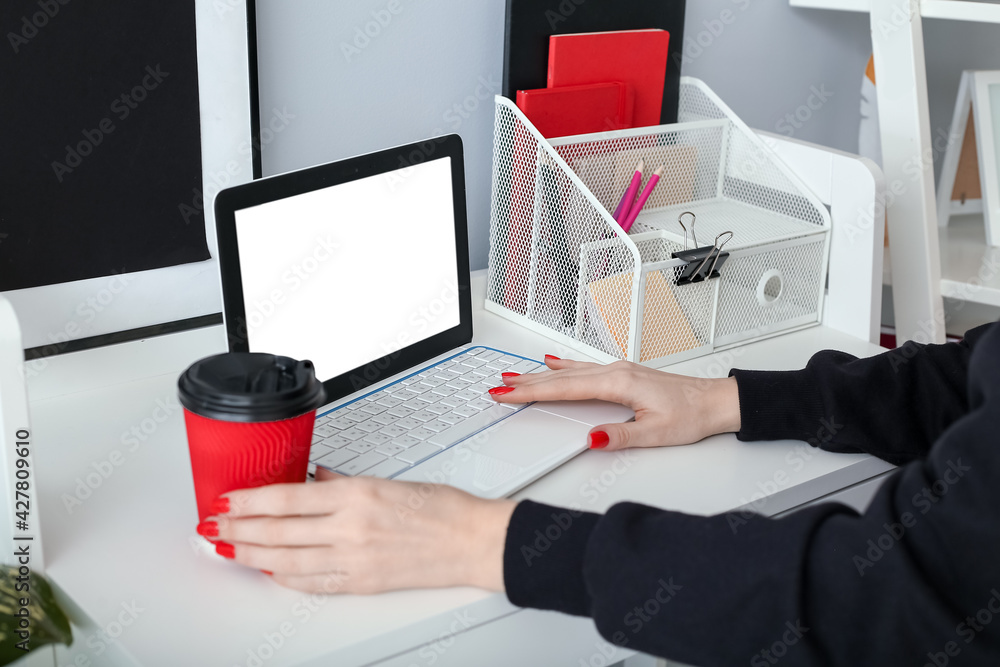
(776, 405)
(543, 558)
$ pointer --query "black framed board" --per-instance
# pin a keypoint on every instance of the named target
(103, 174)
(530, 23)
(129, 117)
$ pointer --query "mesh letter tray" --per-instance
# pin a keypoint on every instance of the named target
(560, 265)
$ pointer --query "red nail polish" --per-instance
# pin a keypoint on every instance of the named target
(221, 506)
(225, 550)
(500, 391)
(270, 574)
(507, 376)
(208, 529)
(549, 356)
(599, 440)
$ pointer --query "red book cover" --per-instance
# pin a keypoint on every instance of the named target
(570, 110)
(637, 58)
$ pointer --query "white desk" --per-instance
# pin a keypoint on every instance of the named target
(132, 541)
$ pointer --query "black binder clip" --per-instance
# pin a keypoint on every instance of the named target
(702, 263)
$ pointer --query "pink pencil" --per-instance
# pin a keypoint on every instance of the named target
(633, 189)
(643, 198)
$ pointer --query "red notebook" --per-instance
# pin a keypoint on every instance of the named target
(562, 112)
(637, 58)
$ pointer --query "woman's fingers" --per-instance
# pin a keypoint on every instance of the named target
(580, 382)
(329, 583)
(273, 531)
(284, 499)
(287, 561)
(613, 437)
(555, 363)
(554, 388)
(324, 475)
(564, 368)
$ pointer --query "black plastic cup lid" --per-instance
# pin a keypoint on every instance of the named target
(250, 387)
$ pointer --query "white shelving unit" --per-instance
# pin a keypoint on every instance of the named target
(970, 269)
(956, 10)
(927, 263)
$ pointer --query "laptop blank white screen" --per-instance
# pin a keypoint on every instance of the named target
(346, 275)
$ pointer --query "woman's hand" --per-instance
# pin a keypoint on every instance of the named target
(364, 535)
(669, 409)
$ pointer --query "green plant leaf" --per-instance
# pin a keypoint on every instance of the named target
(47, 622)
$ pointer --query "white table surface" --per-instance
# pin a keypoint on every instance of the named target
(132, 541)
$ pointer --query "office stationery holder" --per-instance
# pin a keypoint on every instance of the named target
(559, 264)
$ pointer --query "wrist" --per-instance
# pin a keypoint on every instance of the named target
(723, 406)
(486, 537)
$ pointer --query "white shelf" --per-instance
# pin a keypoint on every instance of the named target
(930, 263)
(955, 10)
(970, 269)
(960, 11)
(843, 5)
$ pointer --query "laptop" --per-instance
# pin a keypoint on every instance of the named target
(362, 267)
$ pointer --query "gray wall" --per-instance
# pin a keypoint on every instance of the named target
(953, 46)
(402, 86)
(764, 58)
(769, 60)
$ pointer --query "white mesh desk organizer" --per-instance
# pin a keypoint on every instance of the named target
(559, 263)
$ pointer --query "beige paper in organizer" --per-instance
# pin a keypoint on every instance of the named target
(665, 328)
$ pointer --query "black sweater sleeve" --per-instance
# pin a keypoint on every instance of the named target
(914, 581)
(893, 405)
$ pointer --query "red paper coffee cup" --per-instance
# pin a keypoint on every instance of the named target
(249, 419)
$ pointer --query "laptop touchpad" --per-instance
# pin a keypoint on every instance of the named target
(490, 460)
(593, 413)
(529, 437)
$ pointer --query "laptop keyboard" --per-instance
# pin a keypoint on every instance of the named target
(389, 431)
